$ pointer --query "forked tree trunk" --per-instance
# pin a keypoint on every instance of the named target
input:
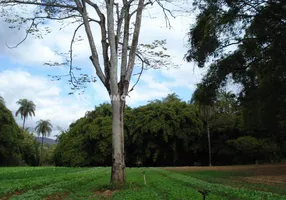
(118, 157)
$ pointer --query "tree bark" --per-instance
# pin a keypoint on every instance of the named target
(41, 157)
(118, 157)
(209, 142)
(23, 124)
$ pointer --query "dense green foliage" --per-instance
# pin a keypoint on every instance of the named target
(88, 141)
(9, 136)
(167, 132)
(19, 147)
(93, 183)
(160, 133)
(244, 41)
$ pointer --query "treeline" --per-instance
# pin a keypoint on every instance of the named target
(17, 145)
(244, 42)
(168, 132)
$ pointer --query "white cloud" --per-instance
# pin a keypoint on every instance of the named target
(50, 104)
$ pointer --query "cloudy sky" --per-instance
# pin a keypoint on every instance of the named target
(23, 75)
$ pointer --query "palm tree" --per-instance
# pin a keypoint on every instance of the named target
(27, 108)
(44, 129)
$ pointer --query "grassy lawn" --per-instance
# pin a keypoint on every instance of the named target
(93, 183)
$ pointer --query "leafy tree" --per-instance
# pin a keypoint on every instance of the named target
(244, 41)
(29, 148)
(119, 23)
(87, 142)
(168, 140)
(44, 129)
(2, 101)
(10, 138)
(27, 108)
(253, 150)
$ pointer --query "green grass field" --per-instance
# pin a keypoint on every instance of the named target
(93, 183)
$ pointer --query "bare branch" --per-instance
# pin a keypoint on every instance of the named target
(166, 11)
(95, 6)
(134, 44)
(71, 55)
(125, 42)
(38, 4)
(26, 36)
(94, 54)
(113, 47)
(55, 18)
(146, 4)
(139, 74)
(120, 17)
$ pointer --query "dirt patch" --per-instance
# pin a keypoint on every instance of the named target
(8, 196)
(269, 174)
(268, 180)
(107, 194)
(58, 196)
(263, 169)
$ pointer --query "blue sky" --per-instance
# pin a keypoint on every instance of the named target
(23, 75)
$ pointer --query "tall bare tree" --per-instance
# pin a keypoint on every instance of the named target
(120, 23)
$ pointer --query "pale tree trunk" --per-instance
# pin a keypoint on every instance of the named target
(118, 157)
(115, 88)
(209, 144)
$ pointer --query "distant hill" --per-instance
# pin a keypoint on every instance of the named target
(48, 141)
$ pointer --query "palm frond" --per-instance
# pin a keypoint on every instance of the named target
(27, 108)
(44, 128)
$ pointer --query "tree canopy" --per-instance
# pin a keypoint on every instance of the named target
(26, 108)
(243, 41)
(9, 137)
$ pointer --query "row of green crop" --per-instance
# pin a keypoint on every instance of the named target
(222, 190)
(158, 187)
(9, 173)
(82, 183)
(33, 183)
(68, 184)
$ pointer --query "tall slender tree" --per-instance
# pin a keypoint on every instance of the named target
(27, 108)
(43, 129)
(205, 103)
(119, 22)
